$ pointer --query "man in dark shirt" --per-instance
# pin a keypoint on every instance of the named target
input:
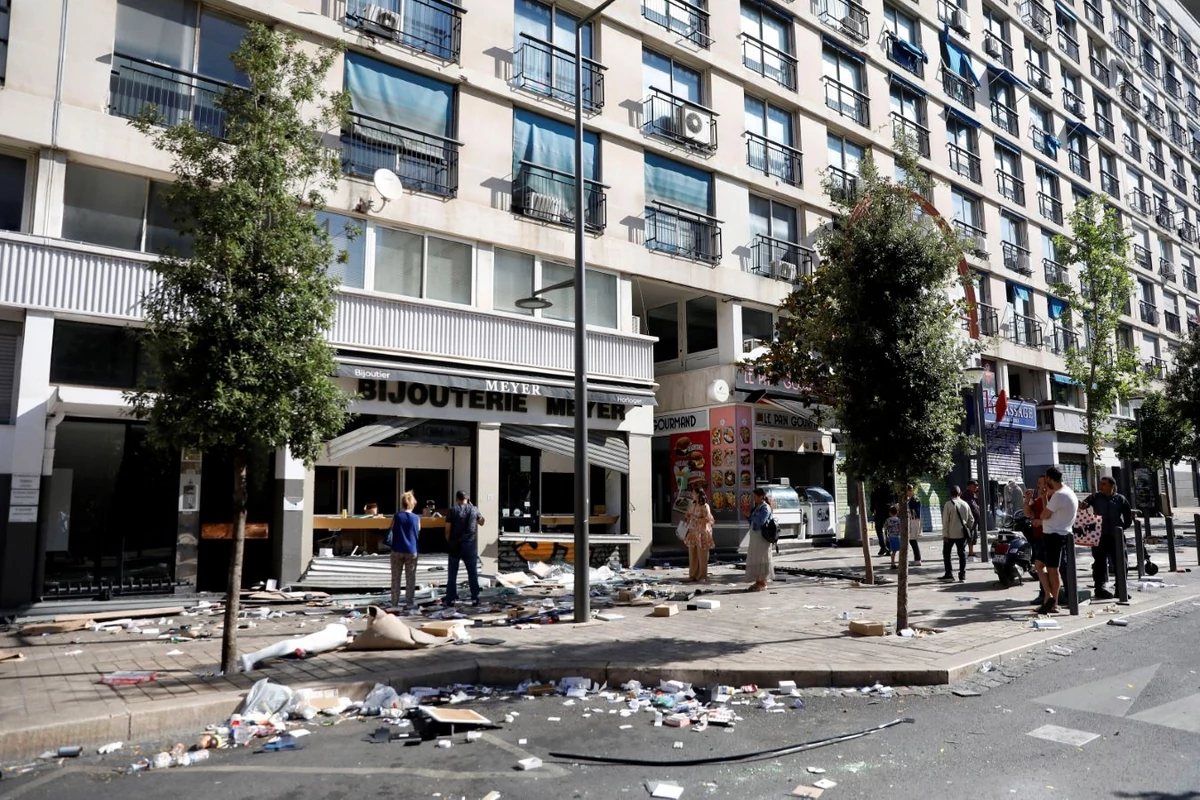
(461, 538)
(971, 495)
(1115, 516)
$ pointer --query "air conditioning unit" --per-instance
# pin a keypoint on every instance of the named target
(750, 345)
(991, 46)
(855, 26)
(783, 270)
(382, 17)
(695, 125)
(961, 22)
(544, 206)
(635, 324)
(1041, 82)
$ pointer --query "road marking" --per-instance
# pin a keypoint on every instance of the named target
(1113, 696)
(1069, 736)
(1183, 715)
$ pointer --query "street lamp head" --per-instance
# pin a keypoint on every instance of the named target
(973, 375)
(532, 303)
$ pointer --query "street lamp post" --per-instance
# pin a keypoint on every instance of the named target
(974, 375)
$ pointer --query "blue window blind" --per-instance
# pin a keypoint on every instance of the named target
(391, 94)
(551, 144)
(960, 61)
(1057, 307)
(678, 184)
(1020, 292)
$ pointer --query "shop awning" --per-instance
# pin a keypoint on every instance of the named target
(364, 437)
(608, 451)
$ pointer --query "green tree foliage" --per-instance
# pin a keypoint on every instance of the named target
(875, 336)
(1183, 392)
(236, 332)
(1098, 248)
(1159, 437)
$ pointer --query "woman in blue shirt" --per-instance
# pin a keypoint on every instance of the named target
(402, 538)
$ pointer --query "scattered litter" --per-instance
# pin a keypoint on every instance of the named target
(492, 796)
(824, 783)
(856, 767)
(1119, 622)
(526, 741)
(175, 652)
(670, 791)
(73, 653)
(807, 791)
(1060, 650)
(609, 616)
(862, 628)
(331, 638)
(128, 678)
(112, 747)
(816, 770)
(1051, 711)
(677, 746)
(1046, 625)
(987, 666)
(965, 693)
(708, 604)
(1123, 697)
(533, 762)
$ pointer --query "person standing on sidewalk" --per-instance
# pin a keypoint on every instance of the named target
(1115, 516)
(914, 525)
(971, 497)
(881, 500)
(463, 543)
(699, 539)
(1035, 504)
(402, 539)
(956, 527)
(1058, 518)
(758, 552)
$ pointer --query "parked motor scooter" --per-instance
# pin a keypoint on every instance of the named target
(1011, 552)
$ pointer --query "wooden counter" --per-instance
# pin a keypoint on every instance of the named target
(561, 520)
(329, 522)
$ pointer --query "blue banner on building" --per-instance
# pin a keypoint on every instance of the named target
(1019, 414)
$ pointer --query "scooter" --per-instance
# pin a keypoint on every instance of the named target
(1011, 552)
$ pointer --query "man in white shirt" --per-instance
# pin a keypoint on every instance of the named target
(1058, 518)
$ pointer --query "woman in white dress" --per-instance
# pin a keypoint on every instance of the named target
(758, 553)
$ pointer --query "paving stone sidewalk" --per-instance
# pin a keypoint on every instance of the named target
(795, 630)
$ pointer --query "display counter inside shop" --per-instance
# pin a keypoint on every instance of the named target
(368, 533)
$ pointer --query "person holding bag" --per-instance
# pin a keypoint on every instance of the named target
(699, 538)
(763, 533)
(402, 539)
(957, 524)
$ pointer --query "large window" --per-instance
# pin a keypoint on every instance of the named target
(544, 171)
(107, 356)
(701, 324)
(678, 208)
(419, 265)
(664, 73)
(347, 235)
(518, 275)
(767, 44)
(844, 157)
(119, 210)
(544, 53)
(12, 189)
(771, 146)
(845, 86)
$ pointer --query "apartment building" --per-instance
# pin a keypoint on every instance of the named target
(708, 129)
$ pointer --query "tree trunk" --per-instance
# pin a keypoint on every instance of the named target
(902, 574)
(862, 526)
(229, 648)
(1092, 484)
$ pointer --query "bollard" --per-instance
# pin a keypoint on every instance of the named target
(1138, 546)
(1120, 560)
(1069, 577)
(1149, 531)
(1196, 529)
(1171, 565)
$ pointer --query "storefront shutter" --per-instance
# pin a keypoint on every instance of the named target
(609, 451)
(368, 435)
(10, 337)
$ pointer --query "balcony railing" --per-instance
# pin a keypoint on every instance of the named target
(1100, 70)
(1156, 164)
(1156, 368)
(1130, 94)
(1164, 216)
(1148, 312)
(1093, 14)
(1139, 201)
(1010, 187)
(768, 61)
(424, 162)
(915, 132)
(1016, 258)
(1172, 321)
(964, 162)
(1080, 164)
(1025, 331)
(958, 87)
(683, 232)
(1192, 323)
(1042, 142)
(549, 195)
(1068, 44)
(1151, 65)
(1105, 127)
(1196, 188)
(1178, 182)
(1189, 280)
(843, 184)
(1054, 272)
(1110, 185)
(1133, 148)
(1187, 232)
(1037, 17)
(947, 10)
(1124, 41)
(681, 17)
(1173, 86)
(974, 237)
(846, 16)
(1064, 341)
(428, 26)
(547, 69)
(1005, 117)
(904, 54)
(1170, 41)
(989, 320)
(1166, 269)
(1189, 59)
(1154, 115)
(779, 259)
(679, 120)
(847, 101)
(1178, 134)
(1073, 103)
(1194, 149)
(177, 96)
(1038, 78)
(773, 159)
(1141, 256)
(1050, 207)
(998, 49)
(1145, 15)
(1193, 103)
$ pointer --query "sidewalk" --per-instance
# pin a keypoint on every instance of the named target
(792, 631)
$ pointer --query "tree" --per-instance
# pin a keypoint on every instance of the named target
(1158, 438)
(1183, 392)
(235, 332)
(1108, 372)
(874, 333)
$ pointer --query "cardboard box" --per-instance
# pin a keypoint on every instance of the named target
(709, 604)
(666, 610)
(864, 628)
(445, 627)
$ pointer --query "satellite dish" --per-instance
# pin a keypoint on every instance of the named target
(388, 184)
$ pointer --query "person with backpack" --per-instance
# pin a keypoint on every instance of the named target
(764, 532)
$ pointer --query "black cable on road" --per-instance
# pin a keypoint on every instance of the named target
(758, 756)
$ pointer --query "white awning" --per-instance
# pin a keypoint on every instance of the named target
(609, 451)
(363, 437)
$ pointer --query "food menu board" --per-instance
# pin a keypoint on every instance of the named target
(732, 456)
(689, 465)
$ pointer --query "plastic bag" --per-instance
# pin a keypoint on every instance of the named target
(379, 698)
(266, 698)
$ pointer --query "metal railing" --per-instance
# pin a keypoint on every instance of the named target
(974, 236)
(1193, 103)
(425, 162)
(780, 259)
(1172, 322)
(544, 68)
(1178, 134)
(1164, 216)
(1154, 115)
(1156, 164)
(1166, 269)
(1050, 207)
(428, 26)
(1196, 189)
(989, 319)
(1189, 59)
(681, 17)
(1005, 117)
(549, 195)
(847, 101)
(1016, 258)
(1156, 368)
(1068, 44)
(1139, 201)
(1093, 14)
(1124, 41)
(897, 51)
(958, 87)
(1168, 38)
(1194, 149)
(1130, 95)
(679, 120)
(1178, 182)
(1080, 164)
(768, 61)
(1039, 78)
(1189, 280)
(1100, 70)
(964, 162)
(1172, 86)
(1010, 187)
(1041, 142)
(774, 159)
(1145, 15)
(1073, 103)
(1054, 271)
(996, 47)
(1036, 16)
(683, 232)
(1133, 148)
(1187, 232)
(1141, 256)
(1105, 127)
(1110, 185)
(177, 96)
(1151, 65)
(1192, 323)
(1064, 340)
(1148, 312)
(946, 9)
(1025, 331)
(918, 134)
(847, 16)
(843, 184)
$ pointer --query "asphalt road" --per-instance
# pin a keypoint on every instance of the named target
(1128, 697)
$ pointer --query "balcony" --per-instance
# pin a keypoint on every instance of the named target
(1038, 78)
(1189, 280)
(1050, 207)
(1166, 269)
(1005, 118)
(989, 320)
(1100, 71)
(1044, 143)
(1141, 256)
(1173, 87)
(843, 185)
(1093, 13)
(682, 232)
(1164, 216)
(1172, 321)
(1068, 44)
(1080, 164)
(949, 12)
(1110, 185)
(1151, 66)
(1036, 16)
(1154, 116)
(1139, 201)
(847, 17)
(964, 162)
(974, 238)
(678, 120)
(768, 61)
(1105, 127)
(1156, 164)
(1054, 272)
(1196, 189)
(1073, 104)
(1194, 149)
(779, 259)
(1064, 340)
(433, 27)
(1124, 41)
(915, 132)
(542, 68)
(958, 88)
(998, 49)
(1187, 232)
(1170, 41)
(1133, 148)
(680, 17)
(1193, 103)
(774, 160)
(425, 162)
(1130, 95)
(1010, 187)
(1155, 368)
(1189, 59)
(1016, 258)
(847, 101)
(1025, 331)
(907, 56)
(1145, 15)
(549, 195)
(1178, 182)
(1192, 323)
(1148, 312)
(1178, 134)
(177, 96)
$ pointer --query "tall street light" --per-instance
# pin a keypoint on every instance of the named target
(974, 375)
(583, 600)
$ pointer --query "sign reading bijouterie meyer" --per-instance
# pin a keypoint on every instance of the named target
(429, 397)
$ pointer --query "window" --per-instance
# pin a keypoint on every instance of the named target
(996, 41)
(844, 158)
(518, 275)
(767, 44)
(908, 116)
(678, 204)
(1049, 196)
(685, 17)
(118, 210)
(774, 233)
(1041, 127)
(670, 90)
(968, 219)
(12, 186)
(701, 317)
(544, 171)
(1004, 106)
(544, 54)
(757, 324)
(1009, 177)
(1109, 182)
(85, 354)
(1014, 242)
(1068, 32)
(904, 41)
(771, 146)
(401, 121)
(1072, 94)
(958, 74)
(346, 236)
(417, 265)
(1036, 64)
(663, 323)
(844, 84)
(961, 142)
(662, 72)
(1077, 157)
(1102, 110)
